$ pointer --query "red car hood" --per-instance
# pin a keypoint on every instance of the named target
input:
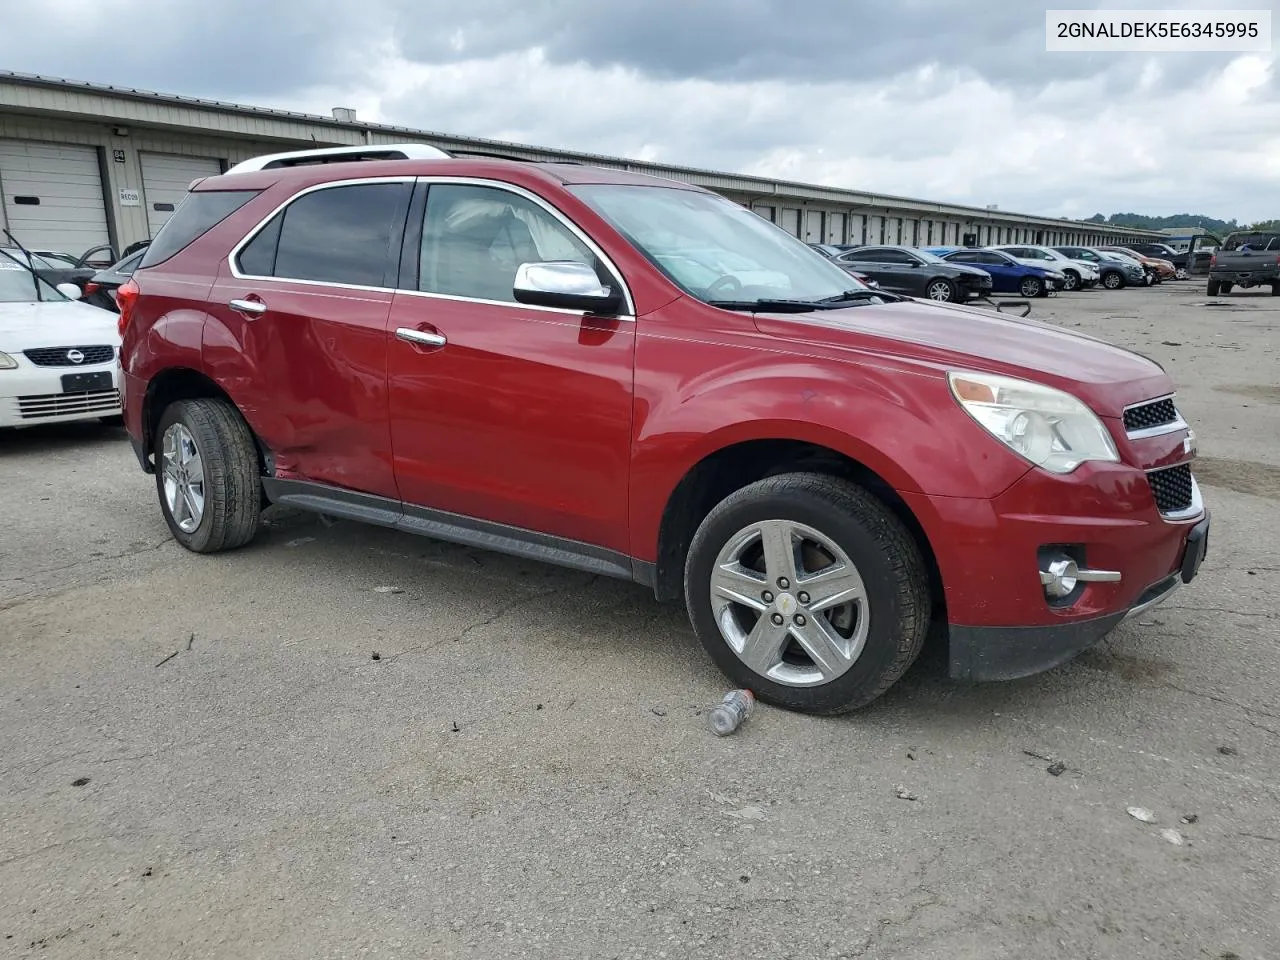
(949, 337)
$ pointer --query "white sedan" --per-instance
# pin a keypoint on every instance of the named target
(59, 358)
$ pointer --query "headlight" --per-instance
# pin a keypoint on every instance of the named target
(7, 362)
(1050, 428)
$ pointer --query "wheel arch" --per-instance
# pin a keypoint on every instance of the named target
(184, 383)
(722, 471)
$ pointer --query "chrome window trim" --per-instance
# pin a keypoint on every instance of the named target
(628, 312)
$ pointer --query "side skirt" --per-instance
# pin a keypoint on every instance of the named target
(455, 528)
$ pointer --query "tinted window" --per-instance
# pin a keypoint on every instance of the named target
(475, 238)
(198, 213)
(876, 255)
(964, 257)
(258, 258)
(343, 235)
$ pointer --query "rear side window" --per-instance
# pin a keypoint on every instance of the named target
(349, 234)
(198, 213)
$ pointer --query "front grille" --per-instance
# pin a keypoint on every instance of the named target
(57, 356)
(1172, 488)
(39, 406)
(1157, 413)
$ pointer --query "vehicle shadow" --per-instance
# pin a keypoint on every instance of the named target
(54, 437)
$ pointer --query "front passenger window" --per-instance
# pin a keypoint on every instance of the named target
(474, 238)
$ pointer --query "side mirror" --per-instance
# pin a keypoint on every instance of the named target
(569, 284)
(70, 291)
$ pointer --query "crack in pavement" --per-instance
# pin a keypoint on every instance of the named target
(147, 548)
(485, 622)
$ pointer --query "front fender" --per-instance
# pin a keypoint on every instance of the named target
(898, 421)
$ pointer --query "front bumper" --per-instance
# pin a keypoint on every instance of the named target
(989, 555)
(32, 395)
(1006, 653)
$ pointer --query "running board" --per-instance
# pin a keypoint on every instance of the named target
(454, 528)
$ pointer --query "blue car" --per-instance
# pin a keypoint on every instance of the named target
(1007, 274)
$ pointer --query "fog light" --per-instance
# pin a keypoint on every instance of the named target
(1060, 578)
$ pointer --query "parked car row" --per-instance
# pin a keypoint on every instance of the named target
(956, 274)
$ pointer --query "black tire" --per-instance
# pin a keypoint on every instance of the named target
(1072, 281)
(1033, 287)
(1275, 289)
(1212, 289)
(948, 291)
(877, 543)
(1113, 280)
(1226, 287)
(232, 485)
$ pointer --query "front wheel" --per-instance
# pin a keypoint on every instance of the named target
(207, 475)
(1180, 273)
(1032, 287)
(1112, 280)
(808, 591)
(1071, 280)
(944, 291)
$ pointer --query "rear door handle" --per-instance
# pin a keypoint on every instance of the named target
(421, 337)
(250, 308)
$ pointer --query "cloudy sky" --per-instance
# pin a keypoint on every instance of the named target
(940, 99)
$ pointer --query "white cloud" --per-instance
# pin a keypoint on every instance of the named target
(1069, 149)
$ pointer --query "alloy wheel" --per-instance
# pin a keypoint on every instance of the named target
(940, 290)
(789, 603)
(182, 470)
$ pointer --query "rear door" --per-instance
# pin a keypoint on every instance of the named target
(500, 411)
(298, 331)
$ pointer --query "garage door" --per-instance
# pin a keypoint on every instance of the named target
(53, 195)
(165, 178)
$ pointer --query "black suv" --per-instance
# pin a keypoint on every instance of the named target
(917, 273)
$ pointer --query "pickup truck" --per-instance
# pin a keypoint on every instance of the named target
(1246, 260)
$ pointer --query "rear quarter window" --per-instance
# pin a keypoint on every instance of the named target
(198, 213)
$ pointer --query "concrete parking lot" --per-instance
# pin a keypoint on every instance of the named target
(258, 754)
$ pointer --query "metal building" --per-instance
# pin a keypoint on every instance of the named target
(83, 164)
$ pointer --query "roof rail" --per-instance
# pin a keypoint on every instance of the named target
(381, 151)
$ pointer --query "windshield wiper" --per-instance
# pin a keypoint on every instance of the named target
(850, 295)
(773, 306)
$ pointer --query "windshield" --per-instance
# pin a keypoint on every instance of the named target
(928, 257)
(18, 284)
(38, 261)
(714, 249)
(1255, 241)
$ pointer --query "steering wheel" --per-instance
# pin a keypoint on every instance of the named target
(731, 283)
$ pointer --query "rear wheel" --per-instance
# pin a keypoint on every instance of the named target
(808, 591)
(207, 475)
(1226, 287)
(1112, 280)
(1032, 287)
(1213, 288)
(942, 290)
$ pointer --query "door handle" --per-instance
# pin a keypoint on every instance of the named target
(250, 308)
(421, 337)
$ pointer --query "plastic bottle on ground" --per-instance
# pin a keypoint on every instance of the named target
(731, 713)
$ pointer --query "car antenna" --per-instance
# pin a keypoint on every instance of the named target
(31, 264)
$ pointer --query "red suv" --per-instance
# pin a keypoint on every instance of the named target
(637, 377)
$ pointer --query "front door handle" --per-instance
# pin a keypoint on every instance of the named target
(250, 308)
(421, 337)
